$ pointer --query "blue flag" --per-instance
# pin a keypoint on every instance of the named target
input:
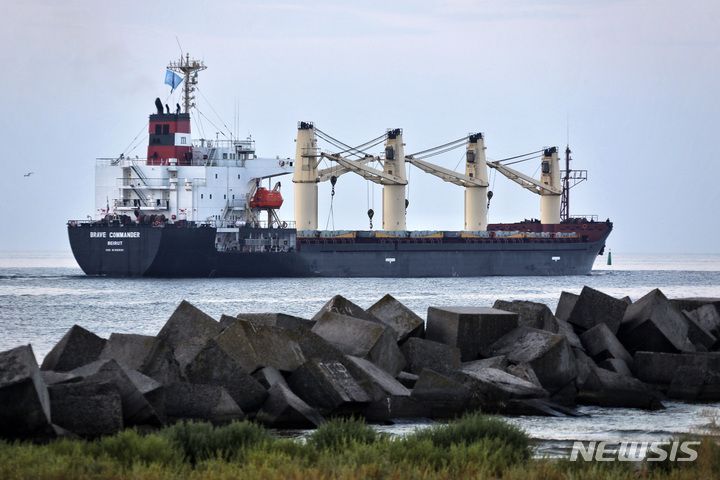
(172, 79)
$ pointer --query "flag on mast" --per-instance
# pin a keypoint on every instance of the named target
(172, 79)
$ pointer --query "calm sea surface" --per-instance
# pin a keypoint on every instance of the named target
(42, 295)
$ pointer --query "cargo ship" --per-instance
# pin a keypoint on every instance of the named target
(198, 208)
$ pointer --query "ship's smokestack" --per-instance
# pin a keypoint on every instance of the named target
(159, 106)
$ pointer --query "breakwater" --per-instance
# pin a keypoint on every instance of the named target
(382, 363)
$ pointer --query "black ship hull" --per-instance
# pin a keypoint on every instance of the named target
(172, 251)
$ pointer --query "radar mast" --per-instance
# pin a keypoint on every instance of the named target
(188, 68)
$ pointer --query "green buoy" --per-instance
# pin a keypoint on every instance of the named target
(609, 258)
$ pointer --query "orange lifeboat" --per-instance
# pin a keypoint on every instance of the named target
(266, 199)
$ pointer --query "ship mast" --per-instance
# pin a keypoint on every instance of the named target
(188, 68)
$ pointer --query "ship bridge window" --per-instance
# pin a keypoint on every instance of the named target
(166, 129)
(224, 156)
(546, 167)
(158, 129)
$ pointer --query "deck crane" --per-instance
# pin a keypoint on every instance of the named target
(548, 187)
(393, 178)
(307, 175)
(475, 181)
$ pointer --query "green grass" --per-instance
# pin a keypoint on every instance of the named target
(474, 446)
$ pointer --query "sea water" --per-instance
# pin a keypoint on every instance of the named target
(42, 295)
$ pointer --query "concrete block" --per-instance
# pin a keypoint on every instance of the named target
(660, 370)
(565, 306)
(500, 362)
(439, 357)
(530, 314)
(619, 391)
(87, 409)
(387, 409)
(24, 400)
(161, 365)
(697, 333)
(407, 379)
(341, 305)
(709, 318)
(616, 365)
(564, 328)
(592, 307)
(652, 324)
(404, 322)
(269, 376)
(601, 344)
(210, 403)
(360, 338)
(186, 332)
(128, 349)
(525, 372)
(276, 320)
(214, 366)
(284, 409)
(136, 410)
(386, 382)
(496, 387)
(549, 355)
(471, 329)
(693, 303)
(442, 396)
(328, 387)
(76, 348)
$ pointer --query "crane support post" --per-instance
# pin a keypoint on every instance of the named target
(305, 178)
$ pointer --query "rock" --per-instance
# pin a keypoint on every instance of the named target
(360, 338)
(88, 409)
(549, 355)
(394, 407)
(420, 354)
(136, 410)
(128, 349)
(404, 322)
(601, 344)
(538, 407)
(697, 333)
(284, 409)
(210, 403)
(341, 305)
(652, 324)
(24, 397)
(470, 329)
(590, 308)
(186, 332)
(275, 320)
(616, 365)
(441, 396)
(76, 348)
(214, 366)
(328, 387)
(530, 314)
(525, 372)
(619, 391)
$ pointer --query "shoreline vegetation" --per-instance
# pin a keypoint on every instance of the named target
(474, 446)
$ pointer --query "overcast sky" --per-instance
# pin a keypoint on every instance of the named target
(634, 84)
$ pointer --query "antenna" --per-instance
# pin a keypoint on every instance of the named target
(179, 46)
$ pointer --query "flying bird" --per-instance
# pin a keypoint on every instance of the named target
(28, 174)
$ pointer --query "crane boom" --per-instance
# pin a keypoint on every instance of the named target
(368, 173)
(325, 174)
(525, 181)
(446, 174)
